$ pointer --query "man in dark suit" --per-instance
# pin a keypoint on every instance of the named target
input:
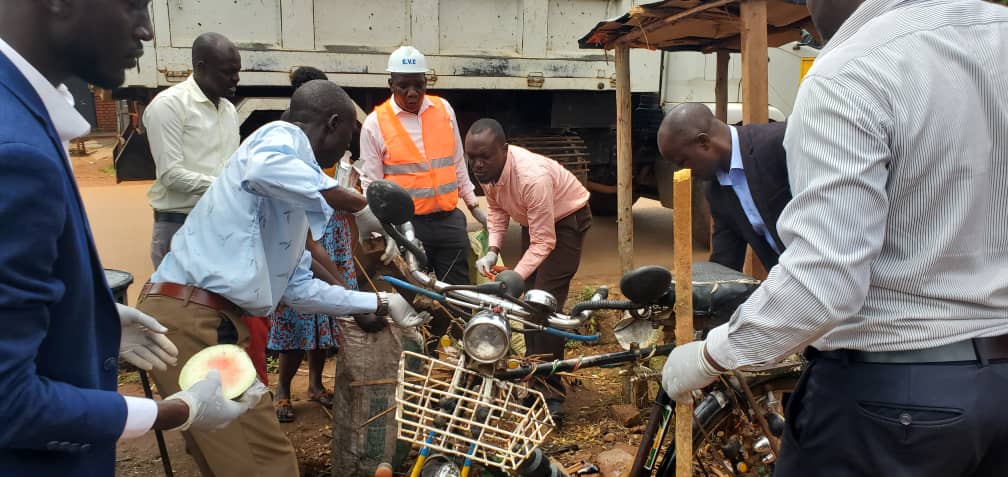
(62, 333)
(747, 171)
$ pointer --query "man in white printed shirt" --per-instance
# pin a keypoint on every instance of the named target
(192, 129)
(895, 275)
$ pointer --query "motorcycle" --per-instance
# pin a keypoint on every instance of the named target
(469, 407)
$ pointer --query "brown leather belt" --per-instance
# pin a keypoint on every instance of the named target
(981, 350)
(189, 293)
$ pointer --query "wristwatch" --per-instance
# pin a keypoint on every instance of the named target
(383, 305)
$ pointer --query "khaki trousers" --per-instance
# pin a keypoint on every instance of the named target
(254, 445)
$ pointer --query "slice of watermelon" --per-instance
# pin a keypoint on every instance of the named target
(236, 369)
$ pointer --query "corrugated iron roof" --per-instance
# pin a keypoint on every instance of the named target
(695, 25)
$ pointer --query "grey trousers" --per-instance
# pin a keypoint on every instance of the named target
(161, 240)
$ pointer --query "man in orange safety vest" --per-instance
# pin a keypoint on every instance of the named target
(413, 139)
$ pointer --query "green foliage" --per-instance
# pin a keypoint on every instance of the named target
(585, 293)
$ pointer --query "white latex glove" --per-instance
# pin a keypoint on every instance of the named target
(391, 250)
(479, 214)
(685, 370)
(208, 409)
(143, 343)
(403, 314)
(367, 224)
(484, 264)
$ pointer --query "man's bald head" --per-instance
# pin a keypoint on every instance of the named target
(212, 46)
(692, 137)
(216, 64)
(687, 120)
(326, 114)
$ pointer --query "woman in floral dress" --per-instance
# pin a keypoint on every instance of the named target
(294, 334)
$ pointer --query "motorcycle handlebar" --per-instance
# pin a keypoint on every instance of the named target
(412, 248)
(475, 296)
(605, 305)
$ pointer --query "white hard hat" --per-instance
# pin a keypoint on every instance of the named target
(407, 59)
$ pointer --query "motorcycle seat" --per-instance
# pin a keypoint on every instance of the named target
(717, 292)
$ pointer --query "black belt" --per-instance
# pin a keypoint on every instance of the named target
(983, 350)
(173, 217)
(436, 215)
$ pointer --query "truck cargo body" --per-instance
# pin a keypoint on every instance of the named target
(515, 60)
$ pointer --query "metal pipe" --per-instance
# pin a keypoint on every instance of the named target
(760, 417)
(573, 322)
(651, 441)
(584, 362)
(158, 435)
(556, 320)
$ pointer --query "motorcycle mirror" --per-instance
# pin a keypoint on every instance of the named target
(390, 202)
(513, 281)
(646, 285)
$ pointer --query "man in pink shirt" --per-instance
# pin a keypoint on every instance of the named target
(552, 208)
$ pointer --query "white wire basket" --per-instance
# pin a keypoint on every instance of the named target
(456, 411)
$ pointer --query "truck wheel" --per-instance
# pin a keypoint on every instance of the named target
(605, 205)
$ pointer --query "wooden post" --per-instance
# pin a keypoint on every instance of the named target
(682, 187)
(701, 209)
(721, 86)
(624, 159)
(755, 93)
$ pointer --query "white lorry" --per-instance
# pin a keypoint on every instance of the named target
(515, 60)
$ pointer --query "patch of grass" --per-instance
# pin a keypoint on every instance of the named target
(108, 170)
(585, 294)
(128, 377)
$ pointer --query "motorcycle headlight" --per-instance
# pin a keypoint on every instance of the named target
(487, 337)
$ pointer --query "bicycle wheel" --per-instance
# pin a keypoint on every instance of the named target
(724, 435)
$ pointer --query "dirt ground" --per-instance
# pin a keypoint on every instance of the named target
(589, 428)
(121, 221)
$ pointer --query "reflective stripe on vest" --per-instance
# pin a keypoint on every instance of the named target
(430, 192)
(431, 183)
(419, 166)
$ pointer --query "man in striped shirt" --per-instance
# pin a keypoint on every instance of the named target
(895, 275)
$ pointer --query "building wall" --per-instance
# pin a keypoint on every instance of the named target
(105, 111)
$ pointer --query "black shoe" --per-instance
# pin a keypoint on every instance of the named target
(556, 411)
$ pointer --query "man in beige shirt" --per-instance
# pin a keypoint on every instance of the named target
(192, 129)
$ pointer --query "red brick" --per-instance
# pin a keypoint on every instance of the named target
(105, 111)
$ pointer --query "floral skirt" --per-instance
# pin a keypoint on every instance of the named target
(294, 331)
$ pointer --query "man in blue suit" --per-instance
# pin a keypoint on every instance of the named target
(62, 333)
